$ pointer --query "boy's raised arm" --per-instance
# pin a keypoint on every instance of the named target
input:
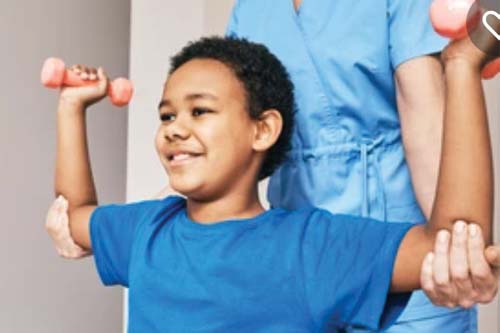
(465, 184)
(73, 175)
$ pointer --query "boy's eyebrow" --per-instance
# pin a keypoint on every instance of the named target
(163, 102)
(166, 102)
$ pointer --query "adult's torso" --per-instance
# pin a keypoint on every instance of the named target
(347, 154)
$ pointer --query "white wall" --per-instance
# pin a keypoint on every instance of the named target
(39, 291)
(159, 29)
(489, 319)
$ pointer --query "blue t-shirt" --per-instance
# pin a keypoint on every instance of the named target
(282, 271)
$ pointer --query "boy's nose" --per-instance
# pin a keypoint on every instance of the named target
(176, 131)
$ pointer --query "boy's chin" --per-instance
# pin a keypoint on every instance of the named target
(186, 188)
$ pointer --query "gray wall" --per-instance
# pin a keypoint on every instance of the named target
(39, 291)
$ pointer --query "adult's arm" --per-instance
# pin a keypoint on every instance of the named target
(420, 100)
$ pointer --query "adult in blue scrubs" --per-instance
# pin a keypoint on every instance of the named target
(367, 93)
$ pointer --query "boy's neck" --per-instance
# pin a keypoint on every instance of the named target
(234, 206)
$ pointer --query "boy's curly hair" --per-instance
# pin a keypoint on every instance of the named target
(265, 79)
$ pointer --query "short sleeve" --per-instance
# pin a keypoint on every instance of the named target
(348, 263)
(112, 230)
(410, 31)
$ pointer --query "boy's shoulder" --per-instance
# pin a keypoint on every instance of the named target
(168, 205)
(317, 213)
(313, 217)
(166, 202)
(145, 209)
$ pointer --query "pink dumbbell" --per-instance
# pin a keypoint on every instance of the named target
(450, 18)
(54, 75)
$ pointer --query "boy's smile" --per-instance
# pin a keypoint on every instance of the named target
(181, 156)
(206, 134)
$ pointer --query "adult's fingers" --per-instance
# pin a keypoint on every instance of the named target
(427, 279)
(492, 253)
(58, 228)
(52, 221)
(459, 266)
(483, 277)
(443, 285)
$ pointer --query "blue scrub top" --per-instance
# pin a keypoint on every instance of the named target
(347, 154)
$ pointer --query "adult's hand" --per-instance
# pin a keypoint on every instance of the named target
(57, 225)
(463, 273)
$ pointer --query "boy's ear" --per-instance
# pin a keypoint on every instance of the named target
(267, 130)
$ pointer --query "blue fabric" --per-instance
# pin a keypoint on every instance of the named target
(282, 271)
(461, 321)
(347, 154)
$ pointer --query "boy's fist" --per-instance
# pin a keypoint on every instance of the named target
(89, 94)
(57, 225)
(477, 48)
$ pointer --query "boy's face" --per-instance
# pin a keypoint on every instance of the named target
(205, 137)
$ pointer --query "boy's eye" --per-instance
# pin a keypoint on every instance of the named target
(199, 111)
(167, 116)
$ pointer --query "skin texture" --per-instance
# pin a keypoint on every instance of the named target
(420, 96)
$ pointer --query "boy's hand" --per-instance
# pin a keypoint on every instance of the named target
(85, 96)
(477, 48)
(462, 274)
(58, 228)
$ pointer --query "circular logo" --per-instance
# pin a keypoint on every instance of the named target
(483, 25)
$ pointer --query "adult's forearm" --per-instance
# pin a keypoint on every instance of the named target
(465, 185)
(73, 175)
(422, 157)
(420, 95)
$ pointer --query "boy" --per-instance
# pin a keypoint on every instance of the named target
(217, 261)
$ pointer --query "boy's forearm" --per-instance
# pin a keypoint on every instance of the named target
(73, 175)
(465, 185)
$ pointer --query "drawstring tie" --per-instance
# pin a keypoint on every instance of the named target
(366, 147)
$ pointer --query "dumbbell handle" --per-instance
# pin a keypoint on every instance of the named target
(54, 75)
(450, 19)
